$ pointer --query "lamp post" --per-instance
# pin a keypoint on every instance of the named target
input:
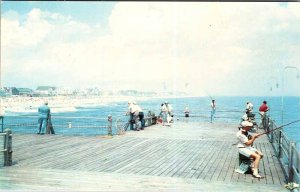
(270, 91)
(282, 87)
(271, 88)
(275, 80)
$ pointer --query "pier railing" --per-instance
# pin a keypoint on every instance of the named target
(285, 151)
(110, 125)
(6, 151)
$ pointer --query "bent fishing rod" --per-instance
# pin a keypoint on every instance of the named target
(273, 129)
(278, 127)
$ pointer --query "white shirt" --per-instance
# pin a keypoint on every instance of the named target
(134, 108)
(164, 108)
(213, 105)
(242, 139)
(138, 108)
(245, 117)
(130, 108)
(186, 110)
(169, 108)
(249, 107)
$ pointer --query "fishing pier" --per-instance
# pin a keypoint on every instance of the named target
(187, 156)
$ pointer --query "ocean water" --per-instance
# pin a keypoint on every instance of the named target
(86, 120)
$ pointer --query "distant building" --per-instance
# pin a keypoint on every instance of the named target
(45, 90)
(2, 92)
(63, 91)
(7, 91)
(24, 91)
(11, 90)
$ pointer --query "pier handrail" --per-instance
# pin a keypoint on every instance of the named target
(100, 125)
(285, 150)
(6, 137)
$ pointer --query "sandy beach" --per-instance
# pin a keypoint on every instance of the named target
(63, 103)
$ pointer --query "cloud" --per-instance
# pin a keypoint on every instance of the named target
(221, 47)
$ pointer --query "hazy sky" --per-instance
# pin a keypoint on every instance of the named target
(200, 47)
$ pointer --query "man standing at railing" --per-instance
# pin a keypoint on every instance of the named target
(44, 112)
(262, 111)
(140, 115)
(129, 112)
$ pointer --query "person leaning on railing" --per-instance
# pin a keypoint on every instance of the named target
(44, 112)
(130, 113)
(245, 146)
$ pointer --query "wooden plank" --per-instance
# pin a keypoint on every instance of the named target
(163, 163)
(158, 158)
(104, 153)
(132, 158)
(180, 160)
(195, 159)
(216, 169)
(187, 165)
(145, 162)
(54, 156)
(196, 168)
(41, 153)
(206, 165)
(224, 164)
(181, 152)
(169, 160)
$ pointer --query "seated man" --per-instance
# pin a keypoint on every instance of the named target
(245, 146)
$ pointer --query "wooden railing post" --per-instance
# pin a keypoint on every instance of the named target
(291, 161)
(1, 117)
(272, 133)
(279, 145)
(149, 120)
(109, 125)
(7, 147)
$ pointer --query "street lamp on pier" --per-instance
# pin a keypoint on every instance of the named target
(275, 80)
(282, 87)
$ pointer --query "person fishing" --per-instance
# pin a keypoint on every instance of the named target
(213, 110)
(44, 112)
(249, 107)
(262, 111)
(245, 146)
(186, 112)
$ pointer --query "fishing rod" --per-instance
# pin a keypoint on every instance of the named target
(209, 95)
(279, 127)
(273, 129)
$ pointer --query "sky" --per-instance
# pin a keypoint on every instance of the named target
(203, 48)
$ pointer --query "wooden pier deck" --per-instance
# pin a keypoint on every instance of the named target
(183, 157)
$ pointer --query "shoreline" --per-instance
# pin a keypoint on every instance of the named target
(69, 103)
